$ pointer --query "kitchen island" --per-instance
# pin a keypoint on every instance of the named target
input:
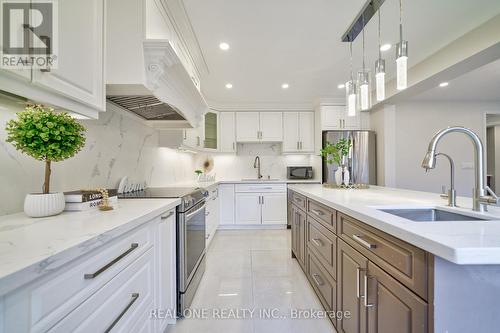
(394, 274)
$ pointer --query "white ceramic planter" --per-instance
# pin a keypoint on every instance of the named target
(42, 205)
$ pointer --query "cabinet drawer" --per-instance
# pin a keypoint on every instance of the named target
(120, 305)
(323, 284)
(261, 188)
(323, 214)
(53, 297)
(324, 244)
(405, 262)
(299, 200)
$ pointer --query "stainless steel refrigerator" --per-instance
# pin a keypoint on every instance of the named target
(362, 159)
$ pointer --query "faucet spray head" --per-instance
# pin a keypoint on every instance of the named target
(429, 161)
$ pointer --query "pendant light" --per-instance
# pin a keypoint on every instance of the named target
(350, 90)
(380, 69)
(364, 83)
(401, 54)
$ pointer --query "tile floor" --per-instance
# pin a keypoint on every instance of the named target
(253, 270)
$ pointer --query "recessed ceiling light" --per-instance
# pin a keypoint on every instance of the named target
(443, 84)
(341, 86)
(385, 47)
(285, 86)
(229, 85)
(224, 46)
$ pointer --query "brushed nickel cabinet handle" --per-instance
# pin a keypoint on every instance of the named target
(164, 217)
(89, 276)
(366, 304)
(317, 212)
(297, 145)
(233, 146)
(298, 199)
(317, 241)
(135, 296)
(361, 241)
(340, 123)
(318, 280)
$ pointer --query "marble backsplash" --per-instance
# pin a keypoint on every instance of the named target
(117, 145)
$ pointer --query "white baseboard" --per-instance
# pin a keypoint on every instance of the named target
(251, 227)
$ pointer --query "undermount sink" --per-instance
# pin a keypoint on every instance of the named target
(259, 180)
(430, 215)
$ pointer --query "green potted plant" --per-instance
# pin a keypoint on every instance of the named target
(337, 154)
(49, 137)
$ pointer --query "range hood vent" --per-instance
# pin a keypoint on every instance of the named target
(148, 107)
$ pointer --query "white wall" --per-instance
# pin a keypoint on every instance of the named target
(404, 144)
(117, 145)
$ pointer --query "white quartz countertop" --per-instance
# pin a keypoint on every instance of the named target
(461, 242)
(30, 248)
(210, 184)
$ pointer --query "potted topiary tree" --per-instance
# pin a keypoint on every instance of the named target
(49, 137)
(337, 154)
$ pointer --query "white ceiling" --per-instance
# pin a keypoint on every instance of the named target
(298, 42)
(482, 84)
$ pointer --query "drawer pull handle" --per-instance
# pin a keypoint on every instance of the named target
(317, 242)
(164, 217)
(133, 246)
(317, 212)
(298, 199)
(317, 280)
(363, 242)
(367, 305)
(135, 296)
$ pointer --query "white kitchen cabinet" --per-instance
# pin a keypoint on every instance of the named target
(247, 127)
(192, 138)
(248, 208)
(226, 204)
(227, 130)
(92, 292)
(271, 126)
(334, 117)
(212, 215)
(80, 72)
(259, 126)
(298, 132)
(274, 208)
(210, 131)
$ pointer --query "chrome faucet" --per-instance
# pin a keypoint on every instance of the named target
(482, 195)
(256, 165)
(452, 193)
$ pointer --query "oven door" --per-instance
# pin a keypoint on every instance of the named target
(191, 243)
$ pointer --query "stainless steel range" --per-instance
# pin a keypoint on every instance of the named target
(190, 237)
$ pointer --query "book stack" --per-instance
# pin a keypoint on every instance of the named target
(85, 200)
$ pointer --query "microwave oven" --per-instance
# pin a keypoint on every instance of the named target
(299, 172)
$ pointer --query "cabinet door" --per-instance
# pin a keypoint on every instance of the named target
(273, 208)
(210, 131)
(271, 126)
(226, 204)
(291, 140)
(395, 308)
(192, 138)
(295, 230)
(247, 126)
(332, 117)
(248, 208)
(227, 131)
(351, 270)
(306, 131)
(80, 72)
(301, 237)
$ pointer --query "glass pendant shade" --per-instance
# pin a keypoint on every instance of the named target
(350, 92)
(402, 65)
(380, 79)
(364, 90)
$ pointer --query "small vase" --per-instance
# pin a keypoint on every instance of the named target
(338, 176)
(43, 205)
(347, 176)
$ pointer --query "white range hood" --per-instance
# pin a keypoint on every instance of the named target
(155, 86)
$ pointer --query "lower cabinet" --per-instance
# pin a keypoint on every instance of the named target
(260, 204)
(114, 288)
(212, 215)
(377, 289)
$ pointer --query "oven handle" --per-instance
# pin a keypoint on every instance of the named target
(190, 215)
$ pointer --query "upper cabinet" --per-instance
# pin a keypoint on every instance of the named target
(211, 130)
(334, 117)
(77, 82)
(227, 130)
(259, 126)
(298, 132)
